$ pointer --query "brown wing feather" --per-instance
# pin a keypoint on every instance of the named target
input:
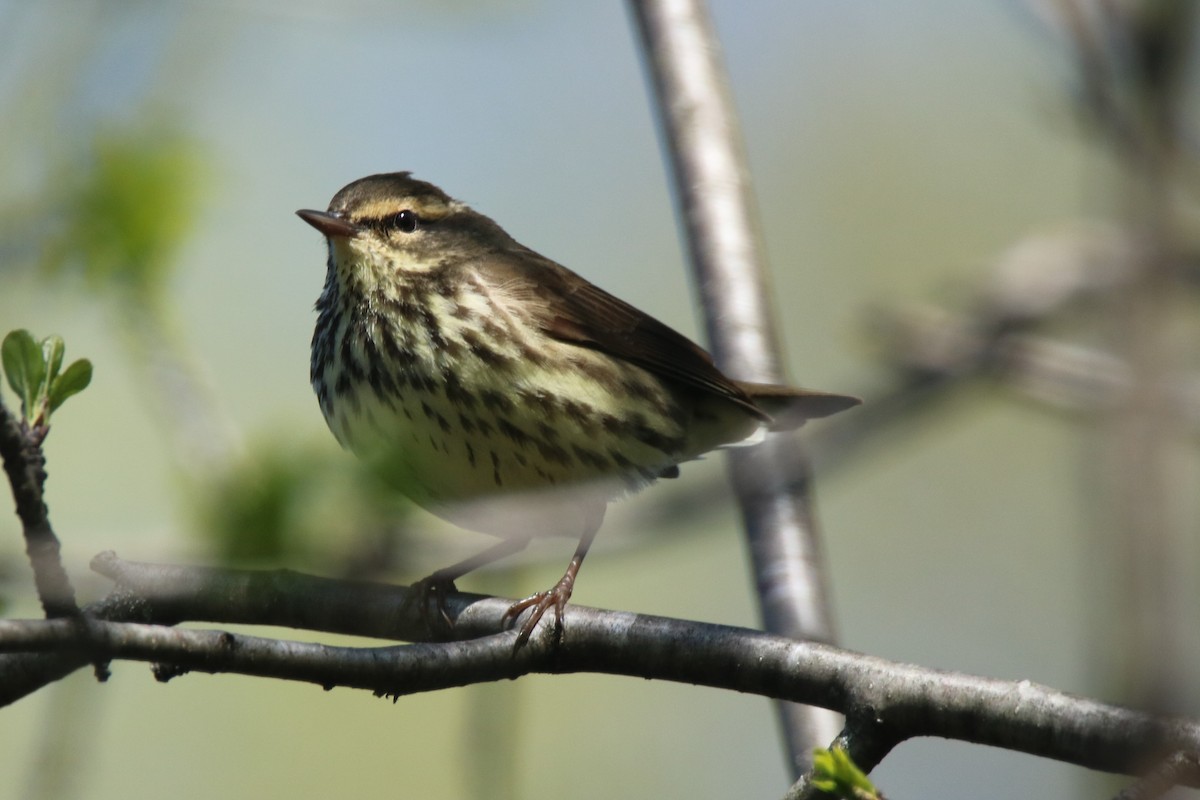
(570, 309)
(576, 311)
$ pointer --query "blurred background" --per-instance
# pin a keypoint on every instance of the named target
(939, 185)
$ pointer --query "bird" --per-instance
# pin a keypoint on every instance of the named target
(500, 390)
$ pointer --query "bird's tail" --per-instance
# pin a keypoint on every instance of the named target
(789, 407)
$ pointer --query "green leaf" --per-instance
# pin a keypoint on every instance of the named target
(24, 368)
(835, 773)
(52, 355)
(74, 379)
(126, 210)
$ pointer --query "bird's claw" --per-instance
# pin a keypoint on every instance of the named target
(436, 589)
(555, 597)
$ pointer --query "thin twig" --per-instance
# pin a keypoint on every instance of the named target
(24, 464)
(863, 743)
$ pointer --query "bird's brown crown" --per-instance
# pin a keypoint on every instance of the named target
(378, 198)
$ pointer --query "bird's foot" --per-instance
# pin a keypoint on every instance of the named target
(555, 597)
(429, 595)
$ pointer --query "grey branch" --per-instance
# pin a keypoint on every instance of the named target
(772, 481)
(21, 452)
(885, 702)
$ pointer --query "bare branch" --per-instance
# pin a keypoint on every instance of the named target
(772, 481)
(885, 702)
(25, 465)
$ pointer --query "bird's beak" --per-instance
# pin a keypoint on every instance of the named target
(329, 224)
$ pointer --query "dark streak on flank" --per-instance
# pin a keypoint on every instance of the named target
(547, 431)
(480, 349)
(496, 401)
(643, 432)
(455, 392)
(551, 452)
(583, 415)
(512, 432)
(589, 458)
(639, 390)
(597, 372)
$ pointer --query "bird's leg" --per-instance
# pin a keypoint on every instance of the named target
(556, 596)
(441, 583)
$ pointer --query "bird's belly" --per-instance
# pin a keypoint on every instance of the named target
(477, 429)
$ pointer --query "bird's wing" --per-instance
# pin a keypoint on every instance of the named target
(570, 309)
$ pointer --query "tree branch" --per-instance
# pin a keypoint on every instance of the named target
(24, 463)
(885, 702)
(772, 481)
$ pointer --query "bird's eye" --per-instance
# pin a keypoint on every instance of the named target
(405, 221)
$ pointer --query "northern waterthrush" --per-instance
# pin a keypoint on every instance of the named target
(502, 391)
